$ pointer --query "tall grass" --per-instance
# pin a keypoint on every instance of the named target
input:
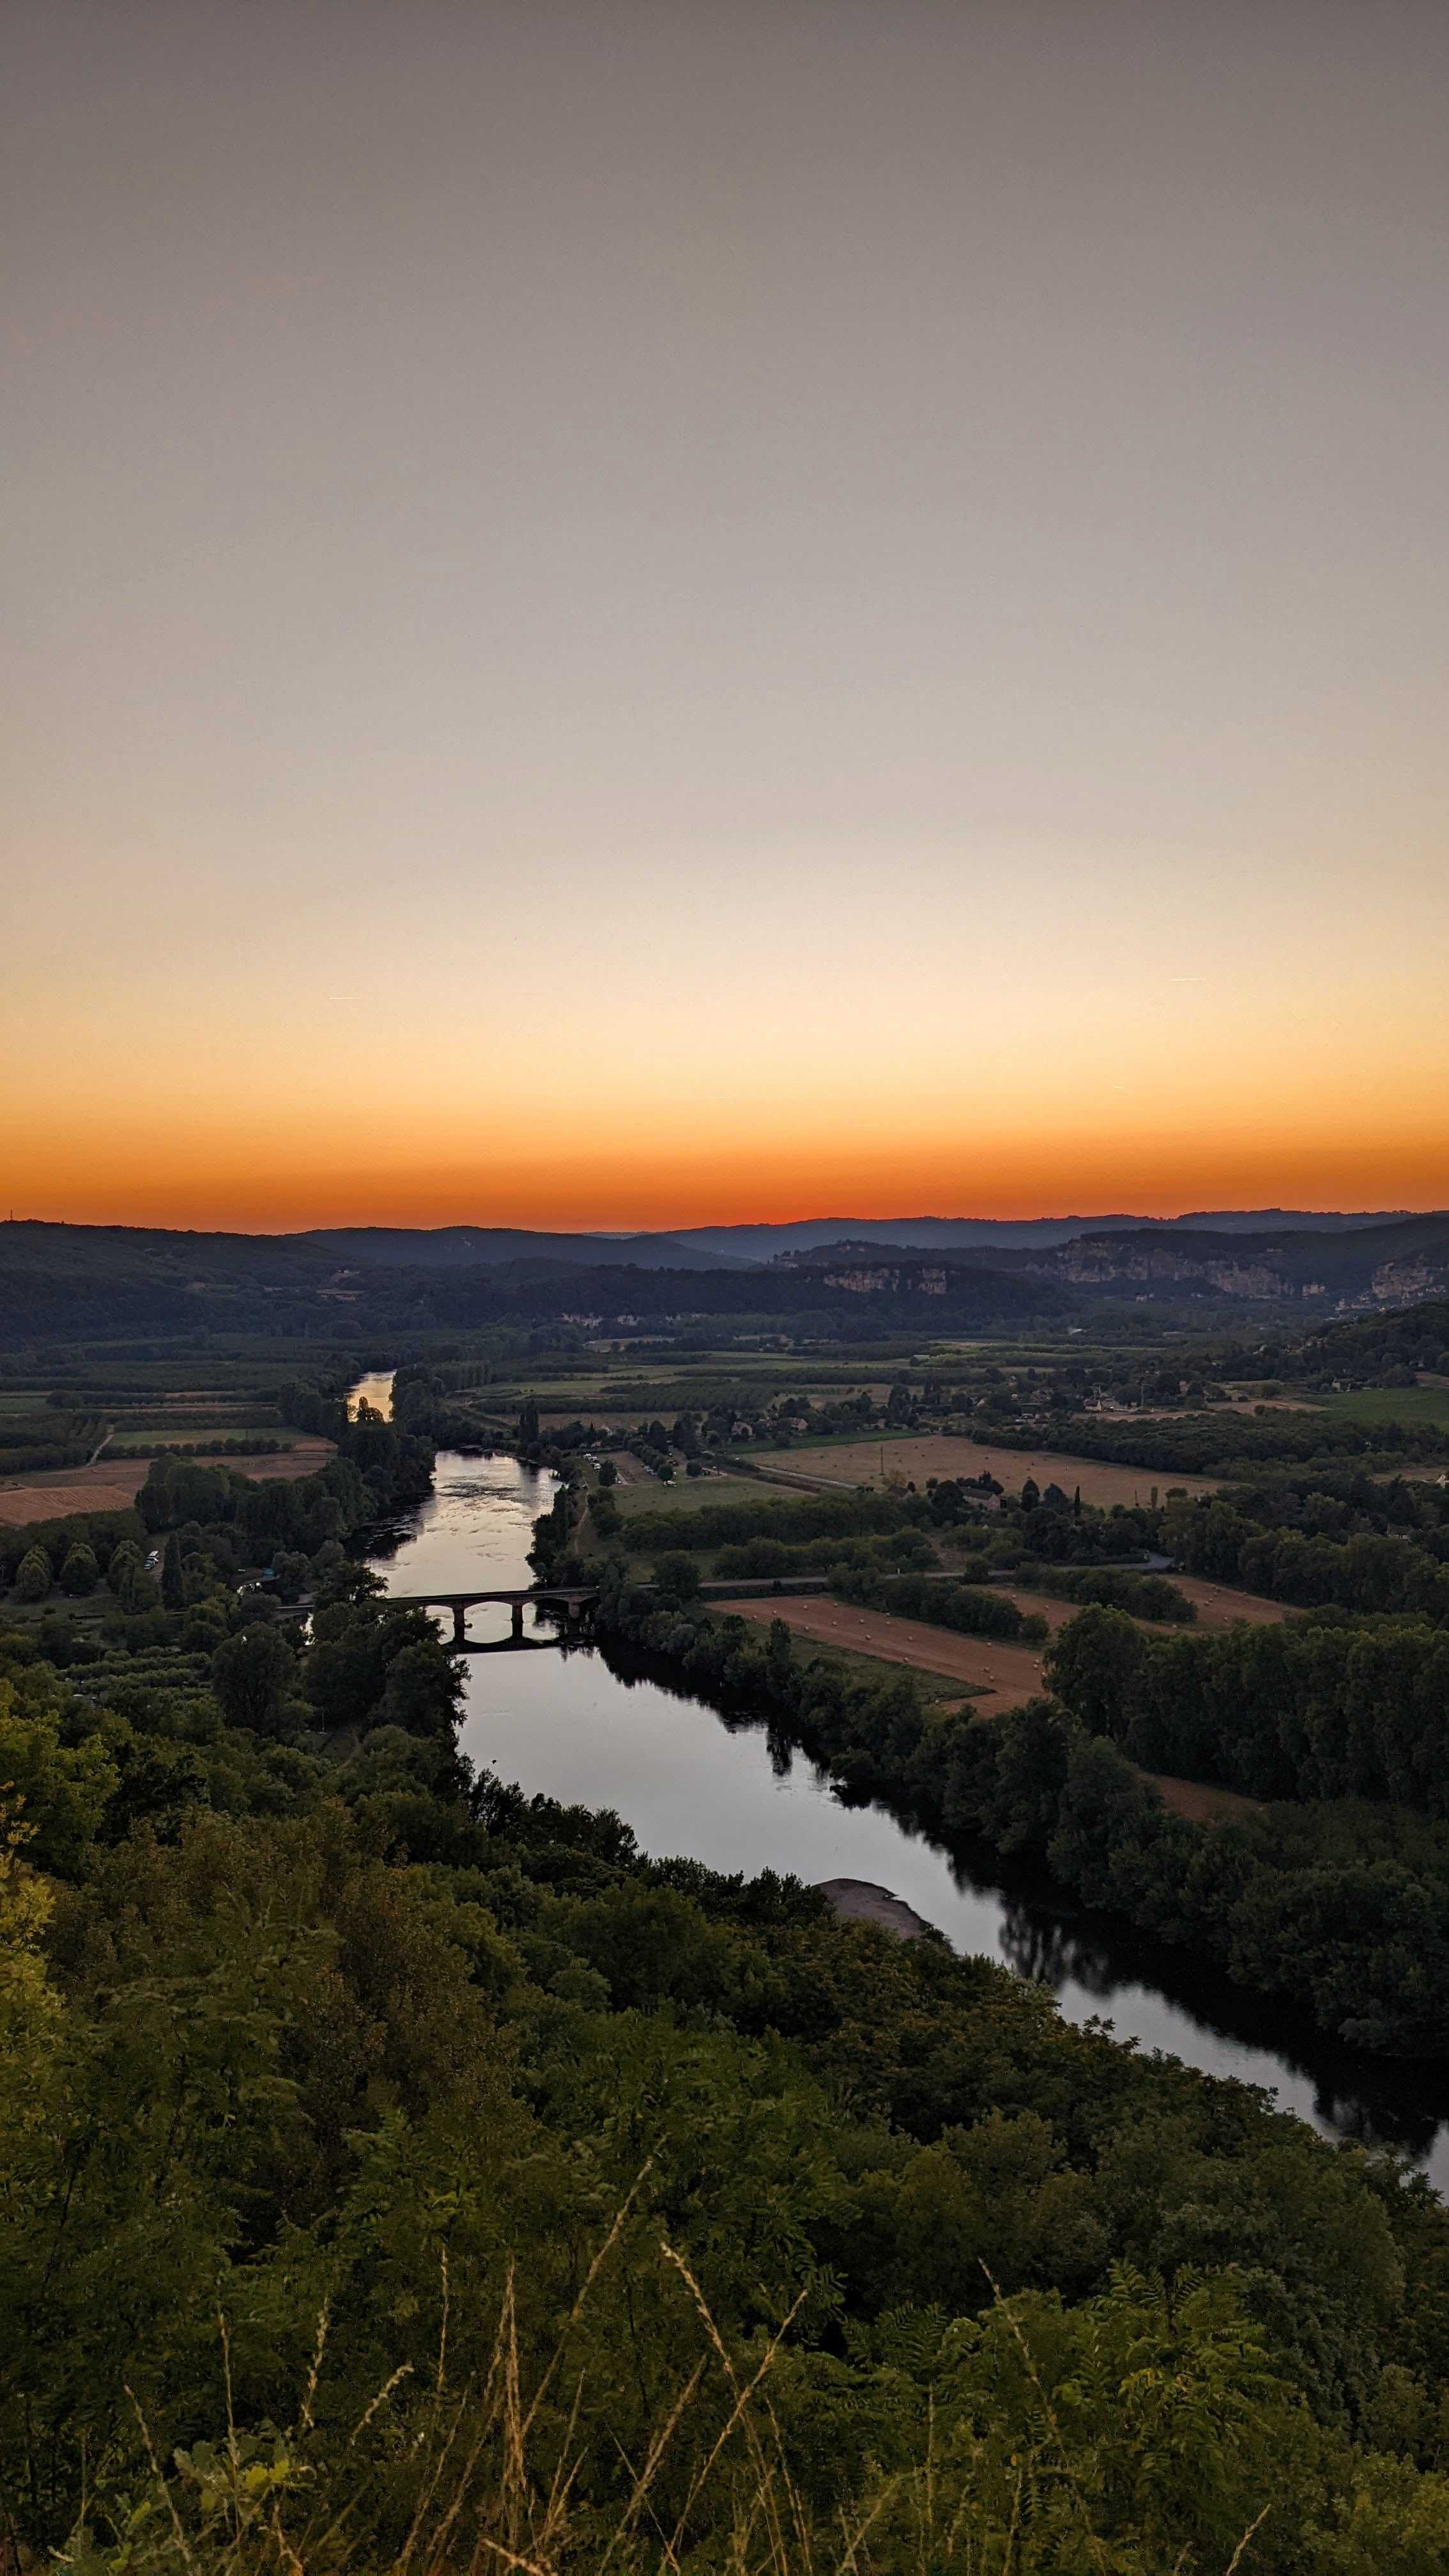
(494, 2475)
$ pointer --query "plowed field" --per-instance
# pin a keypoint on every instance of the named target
(1003, 1675)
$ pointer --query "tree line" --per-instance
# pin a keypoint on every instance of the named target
(1222, 1443)
(1311, 1709)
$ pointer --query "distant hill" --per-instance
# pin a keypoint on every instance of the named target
(63, 1283)
(983, 1233)
(1335, 1270)
(473, 1247)
(87, 1283)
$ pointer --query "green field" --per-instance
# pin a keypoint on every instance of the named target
(1413, 1404)
(852, 1665)
(686, 1494)
(770, 1453)
(139, 1436)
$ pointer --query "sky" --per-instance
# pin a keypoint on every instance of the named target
(643, 615)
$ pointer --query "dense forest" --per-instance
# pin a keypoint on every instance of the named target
(395, 2170)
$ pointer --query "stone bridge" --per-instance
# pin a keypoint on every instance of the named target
(570, 1604)
(567, 1603)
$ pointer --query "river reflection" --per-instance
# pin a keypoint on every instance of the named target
(739, 1796)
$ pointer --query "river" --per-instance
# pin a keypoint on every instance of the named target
(736, 1797)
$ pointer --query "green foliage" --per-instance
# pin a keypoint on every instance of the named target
(252, 1675)
(79, 1574)
(63, 1788)
(1143, 1596)
(34, 1576)
(1351, 1709)
(990, 2274)
(1221, 1443)
(972, 1609)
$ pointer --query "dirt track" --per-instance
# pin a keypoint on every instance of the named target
(1004, 1675)
(111, 1483)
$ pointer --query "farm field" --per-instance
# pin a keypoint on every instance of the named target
(1199, 1802)
(1217, 1606)
(947, 1453)
(1369, 1404)
(148, 1435)
(642, 1492)
(1001, 1676)
(113, 1482)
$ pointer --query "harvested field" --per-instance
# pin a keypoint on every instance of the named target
(946, 1453)
(998, 1676)
(1198, 1802)
(110, 1483)
(1217, 1606)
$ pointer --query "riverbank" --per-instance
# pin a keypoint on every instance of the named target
(859, 1900)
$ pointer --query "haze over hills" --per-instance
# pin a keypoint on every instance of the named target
(971, 1233)
(705, 1247)
(470, 1247)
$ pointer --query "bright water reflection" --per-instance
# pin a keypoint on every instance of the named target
(736, 1797)
(375, 1391)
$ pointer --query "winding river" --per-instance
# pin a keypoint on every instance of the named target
(736, 1797)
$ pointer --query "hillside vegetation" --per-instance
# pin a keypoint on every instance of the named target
(396, 2171)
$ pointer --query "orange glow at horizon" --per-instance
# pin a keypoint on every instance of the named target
(237, 1187)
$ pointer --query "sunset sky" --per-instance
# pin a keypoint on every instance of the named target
(652, 615)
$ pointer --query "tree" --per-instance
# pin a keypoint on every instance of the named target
(608, 1472)
(62, 1788)
(676, 1578)
(33, 1579)
(173, 1578)
(1092, 1664)
(125, 1564)
(80, 1573)
(251, 1675)
(423, 1692)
